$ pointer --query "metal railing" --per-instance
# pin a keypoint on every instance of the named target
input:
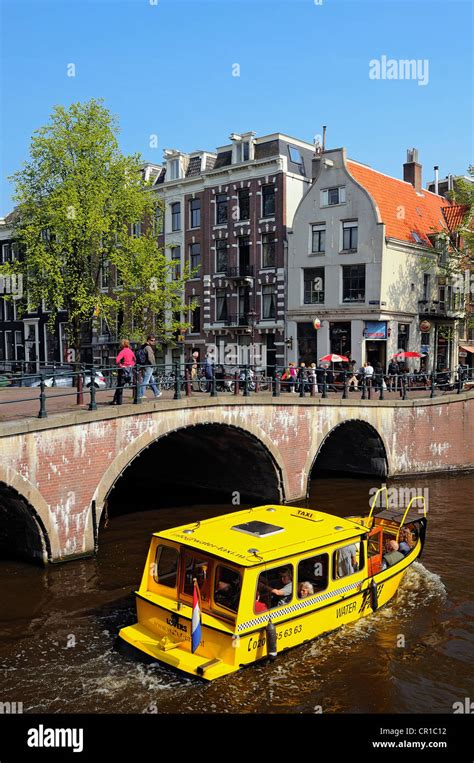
(187, 379)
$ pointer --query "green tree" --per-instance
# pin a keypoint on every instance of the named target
(80, 206)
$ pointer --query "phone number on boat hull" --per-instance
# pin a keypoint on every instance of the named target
(262, 640)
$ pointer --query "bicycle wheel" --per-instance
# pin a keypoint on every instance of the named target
(203, 383)
(263, 383)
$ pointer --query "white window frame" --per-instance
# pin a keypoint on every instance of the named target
(318, 228)
(346, 225)
(324, 196)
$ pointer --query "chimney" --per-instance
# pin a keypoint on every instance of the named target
(436, 181)
(412, 170)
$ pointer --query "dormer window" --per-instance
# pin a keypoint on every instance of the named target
(173, 166)
(242, 148)
(243, 151)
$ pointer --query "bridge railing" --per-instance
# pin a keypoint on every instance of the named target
(187, 379)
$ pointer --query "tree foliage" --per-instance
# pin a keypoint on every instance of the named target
(77, 199)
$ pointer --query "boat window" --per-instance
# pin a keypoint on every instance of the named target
(347, 560)
(373, 546)
(274, 588)
(312, 575)
(227, 588)
(165, 570)
(199, 568)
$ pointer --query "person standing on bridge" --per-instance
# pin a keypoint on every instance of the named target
(146, 357)
(125, 361)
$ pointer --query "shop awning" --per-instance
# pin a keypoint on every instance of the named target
(466, 348)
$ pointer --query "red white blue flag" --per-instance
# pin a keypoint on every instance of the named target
(196, 620)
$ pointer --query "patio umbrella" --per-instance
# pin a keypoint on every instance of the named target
(404, 355)
(334, 359)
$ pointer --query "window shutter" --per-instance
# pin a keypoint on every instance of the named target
(342, 195)
(324, 199)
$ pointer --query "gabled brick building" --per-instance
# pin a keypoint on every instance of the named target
(226, 213)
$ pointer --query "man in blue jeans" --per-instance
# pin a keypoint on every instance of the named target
(148, 379)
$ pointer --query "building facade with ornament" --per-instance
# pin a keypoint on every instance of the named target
(363, 262)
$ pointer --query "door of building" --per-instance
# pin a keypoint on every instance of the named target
(376, 352)
(307, 343)
(32, 346)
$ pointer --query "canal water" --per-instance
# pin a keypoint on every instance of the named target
(58, 627)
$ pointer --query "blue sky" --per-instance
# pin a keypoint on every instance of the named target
(165, 67)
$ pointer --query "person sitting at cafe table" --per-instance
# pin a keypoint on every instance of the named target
(392, 554)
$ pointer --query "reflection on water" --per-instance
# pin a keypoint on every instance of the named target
(58, 628)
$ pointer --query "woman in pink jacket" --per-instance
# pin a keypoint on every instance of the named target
(125, 361)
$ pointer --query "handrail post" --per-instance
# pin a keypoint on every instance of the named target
(236, 383)
(42, 411)
(404, 389)
(314, 385)
(22, 372)
(382, 382)
(344, 388)
(80, 387)
(257, 386)
(213, 389)
(92, 404)
(432, 393)
(364, 387)
(187, 376)
(137, 398)
(460, 382)
(54, 374)
(325, 385)
(177, 383)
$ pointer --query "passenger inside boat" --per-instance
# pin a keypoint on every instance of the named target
(347, 560)
(314, 572)
(276, 586)
(305, 589)
(227, 588)
(405, 541)
(392, 555)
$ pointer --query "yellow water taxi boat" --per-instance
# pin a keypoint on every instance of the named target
(262, 580)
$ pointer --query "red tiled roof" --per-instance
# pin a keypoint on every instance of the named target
(401, 208)
(455, 215)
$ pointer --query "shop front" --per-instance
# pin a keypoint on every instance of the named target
(340, 337)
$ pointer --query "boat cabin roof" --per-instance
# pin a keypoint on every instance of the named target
(264, 534)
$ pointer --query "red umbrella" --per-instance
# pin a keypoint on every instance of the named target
(404, 355)
(334, 359)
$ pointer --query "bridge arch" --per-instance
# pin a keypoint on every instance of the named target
(255, 458)
(24, 519)
(353, 446)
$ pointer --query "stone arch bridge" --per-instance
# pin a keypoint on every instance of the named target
(56, 473)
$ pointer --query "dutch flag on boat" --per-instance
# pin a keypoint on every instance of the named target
(196, 621)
